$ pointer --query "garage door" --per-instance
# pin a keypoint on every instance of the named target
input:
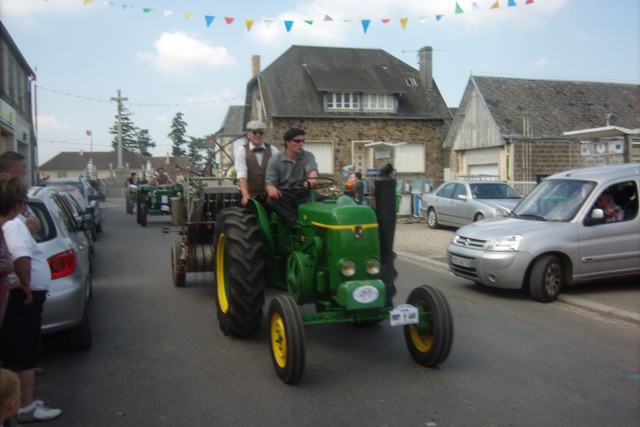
(488, 169)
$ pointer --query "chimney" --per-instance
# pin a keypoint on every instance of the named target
(255, 65)
(425, 60)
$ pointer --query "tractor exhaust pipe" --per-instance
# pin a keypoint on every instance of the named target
(385, 199)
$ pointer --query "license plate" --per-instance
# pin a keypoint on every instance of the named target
(404, 314)
(463, 262)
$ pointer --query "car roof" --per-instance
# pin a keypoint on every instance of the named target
(600, 173)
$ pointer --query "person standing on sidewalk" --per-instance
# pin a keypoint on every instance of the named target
(20, 332)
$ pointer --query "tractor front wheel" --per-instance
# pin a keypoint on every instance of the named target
(240, 271)
(429, 341)
(286, 339)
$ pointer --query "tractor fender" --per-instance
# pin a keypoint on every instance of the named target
(265, 228)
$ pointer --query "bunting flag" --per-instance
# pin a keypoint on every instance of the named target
(476, 6)
(288, 25)
(365, 25)
(89, 133)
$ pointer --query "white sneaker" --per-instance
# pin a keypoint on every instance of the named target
(40, 412)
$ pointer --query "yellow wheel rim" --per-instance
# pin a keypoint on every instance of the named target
(422, 342)
(278, 340)
(221, 279)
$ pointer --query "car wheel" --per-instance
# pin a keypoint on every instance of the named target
(79, 337)
(546, 279)
(286, 339)
(432, 219)
(430, 340)
(478, 217)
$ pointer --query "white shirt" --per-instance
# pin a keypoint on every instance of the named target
(241, 159)
(21, 244)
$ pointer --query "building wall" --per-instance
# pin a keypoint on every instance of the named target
(342, 132)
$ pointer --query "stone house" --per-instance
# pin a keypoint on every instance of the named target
(16, 123)
(232, 130)
(520, 130)
(348, 98)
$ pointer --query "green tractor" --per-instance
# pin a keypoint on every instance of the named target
(339, 258)
(151, 200)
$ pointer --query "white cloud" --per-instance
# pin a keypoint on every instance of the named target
(543, 61)
(28, 8)
(179, 52)
(51, 124)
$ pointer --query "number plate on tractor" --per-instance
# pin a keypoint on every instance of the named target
(404, 314)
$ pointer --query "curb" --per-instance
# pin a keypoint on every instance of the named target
(626, 315)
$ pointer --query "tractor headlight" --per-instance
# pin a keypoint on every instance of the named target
(373, 266)
(348, 268)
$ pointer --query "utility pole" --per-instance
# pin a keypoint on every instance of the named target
(119, 99)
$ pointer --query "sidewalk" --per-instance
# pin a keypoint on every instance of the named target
(416, 241)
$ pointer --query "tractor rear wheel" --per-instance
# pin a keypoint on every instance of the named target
(142, 208)
(429, 341)
(286, 339)
(177, 272)
(239, 272)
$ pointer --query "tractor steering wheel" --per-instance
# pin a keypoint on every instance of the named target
(321, 182)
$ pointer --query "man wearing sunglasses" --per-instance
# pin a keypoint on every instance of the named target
(251, 161)
(284, 169)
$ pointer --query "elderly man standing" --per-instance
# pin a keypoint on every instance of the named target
(288, 166)
(251, 160)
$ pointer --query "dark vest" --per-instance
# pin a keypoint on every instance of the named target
(256, 173)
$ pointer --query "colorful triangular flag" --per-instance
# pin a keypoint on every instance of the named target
(365, 25)
(385, 20)
(147, 9)
(209, 20)
(403, 23)
(512, 3)
(228, 20)
(439, 17)
(309, 21)
(496, 5)
(327, 18)
(458, 8)
(249, 23)
(167, 13)
(288, 25)
(188, 15)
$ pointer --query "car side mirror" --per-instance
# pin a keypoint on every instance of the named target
(461, 197)
(93, 202)
(596, 217)
(87, 224)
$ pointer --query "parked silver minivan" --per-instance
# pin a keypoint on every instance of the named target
(575, 226)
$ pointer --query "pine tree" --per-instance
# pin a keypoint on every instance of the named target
(129, 132)
(144, 142)
(196, 146)
(177, 135)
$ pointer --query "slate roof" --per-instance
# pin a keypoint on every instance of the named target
(293, 85)
(72, 160)
(232, 124)
(554, 107)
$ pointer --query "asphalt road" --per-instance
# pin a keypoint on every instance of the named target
(159, 358)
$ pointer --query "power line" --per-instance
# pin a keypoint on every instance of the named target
(140, 104)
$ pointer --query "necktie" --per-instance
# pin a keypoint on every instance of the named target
(258, 150)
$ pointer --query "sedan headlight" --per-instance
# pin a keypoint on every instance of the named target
(501, 212)
(509, 243)
(373, 266)
(348, 268)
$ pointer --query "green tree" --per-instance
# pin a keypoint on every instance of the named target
(129, 132)
(178, 134)
(196, 155)
(144, 142)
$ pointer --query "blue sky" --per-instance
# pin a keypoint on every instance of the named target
(164, 62)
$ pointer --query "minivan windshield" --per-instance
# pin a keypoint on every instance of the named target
(554, 200)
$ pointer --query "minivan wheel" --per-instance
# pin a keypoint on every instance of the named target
(545, 281)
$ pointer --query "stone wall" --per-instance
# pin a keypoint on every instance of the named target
(343, 131)
(542, 158)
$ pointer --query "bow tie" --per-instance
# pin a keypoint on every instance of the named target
(258, 150)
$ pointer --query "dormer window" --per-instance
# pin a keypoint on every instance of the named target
(365, 102)
(343, 101)
(410, 81)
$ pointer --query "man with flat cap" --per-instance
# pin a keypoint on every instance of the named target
(288, 166)
(251, 161)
